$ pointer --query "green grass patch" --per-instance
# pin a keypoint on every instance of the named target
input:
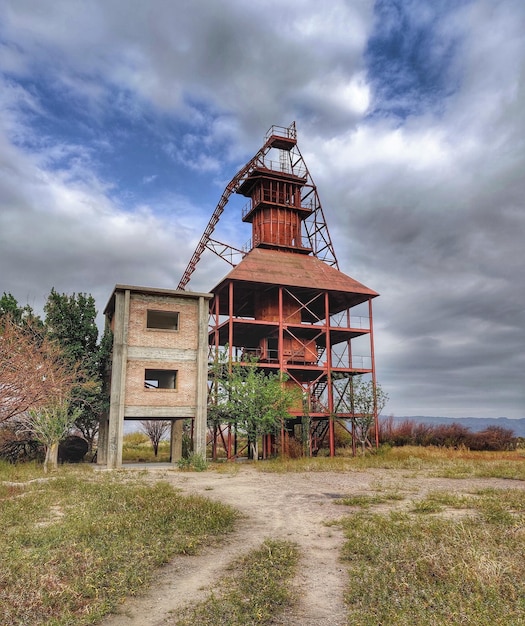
(74, 546)
(434, 570)
(137, 448)
(365, 501)
(194, 463)
(19, 472)
(256, 592)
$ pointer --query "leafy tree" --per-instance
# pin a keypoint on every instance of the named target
(71, 321)
(49, 425)
(252, 400)
(20, 316)
(155, 430)
(91, 395)
(365, 401)
(33, 371)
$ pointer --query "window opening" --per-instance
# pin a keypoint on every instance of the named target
(163, 320)
(160, 379)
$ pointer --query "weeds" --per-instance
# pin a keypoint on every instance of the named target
(76, 545)
(433, 461)
(194, 462)
(407, 569)
(366, 501)
(255, 593)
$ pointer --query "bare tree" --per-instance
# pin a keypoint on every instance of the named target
(33, 372)
(155, 430)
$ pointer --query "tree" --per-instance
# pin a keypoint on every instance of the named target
(33, 371)
(365, 401)
(252, 400)
(155, 430)
(20, 316)
(71, 321)
(49, 425)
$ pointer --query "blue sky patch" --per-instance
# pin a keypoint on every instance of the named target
(411, 57)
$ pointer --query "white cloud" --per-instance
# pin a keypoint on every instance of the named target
(426, 208)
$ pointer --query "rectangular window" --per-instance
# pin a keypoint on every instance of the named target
(163, 320)
(160, 379)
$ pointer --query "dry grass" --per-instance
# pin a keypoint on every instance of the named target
(67, 543)
(255, 592)
(425, 566)
(430, 461)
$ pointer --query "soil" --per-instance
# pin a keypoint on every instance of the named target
(291, 506)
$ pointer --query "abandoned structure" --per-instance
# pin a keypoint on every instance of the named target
(159, 365)
(284, 305)
(285, 302)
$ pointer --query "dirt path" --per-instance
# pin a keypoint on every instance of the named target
(278, 506)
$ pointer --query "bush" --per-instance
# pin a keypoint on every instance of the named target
(18, 446)
(410, 433)
(493, 438)
(195, 462)
(72, 450)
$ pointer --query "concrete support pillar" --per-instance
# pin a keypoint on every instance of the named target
(118, 380)
(102, 442)
(176, 441)
(199, 430)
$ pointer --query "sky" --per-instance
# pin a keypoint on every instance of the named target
(121, 122)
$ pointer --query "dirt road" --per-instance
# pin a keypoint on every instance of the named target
(278, 506)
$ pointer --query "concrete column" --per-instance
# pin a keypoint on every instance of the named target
(102, 442)
(199, 431)
(176, 441)
(118, 380)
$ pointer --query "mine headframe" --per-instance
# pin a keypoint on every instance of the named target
(279, 155)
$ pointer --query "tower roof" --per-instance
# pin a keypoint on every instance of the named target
(287, 269)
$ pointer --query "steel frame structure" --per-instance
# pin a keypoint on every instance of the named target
(286, 303)
(285, 140)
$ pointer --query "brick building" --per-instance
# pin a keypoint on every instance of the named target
(159, 365)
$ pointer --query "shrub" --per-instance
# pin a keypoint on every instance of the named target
(195, 462)
(410, 433)
(493, 438)
(17, 446)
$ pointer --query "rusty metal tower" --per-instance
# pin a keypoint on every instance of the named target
(285, 302)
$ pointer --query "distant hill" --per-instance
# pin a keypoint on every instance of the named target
(475, 424)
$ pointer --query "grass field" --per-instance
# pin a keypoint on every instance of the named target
(442, 559)
(66, 542)
(431, 567)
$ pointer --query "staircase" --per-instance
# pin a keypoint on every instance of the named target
(317, 434)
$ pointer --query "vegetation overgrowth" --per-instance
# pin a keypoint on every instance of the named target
(433, 461)
(256, 591)
(442, 558)
(137, 448)
(413, 433)
(428, 567)
(67, 540)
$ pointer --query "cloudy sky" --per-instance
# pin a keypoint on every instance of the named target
(123, 120)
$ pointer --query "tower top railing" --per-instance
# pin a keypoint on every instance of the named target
(282, 131)
(284, 167)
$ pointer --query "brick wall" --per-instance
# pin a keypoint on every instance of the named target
(162, 349)
(185, 337)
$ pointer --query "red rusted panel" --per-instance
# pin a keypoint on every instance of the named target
(287, 268)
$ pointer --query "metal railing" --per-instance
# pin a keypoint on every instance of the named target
(282, 131)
